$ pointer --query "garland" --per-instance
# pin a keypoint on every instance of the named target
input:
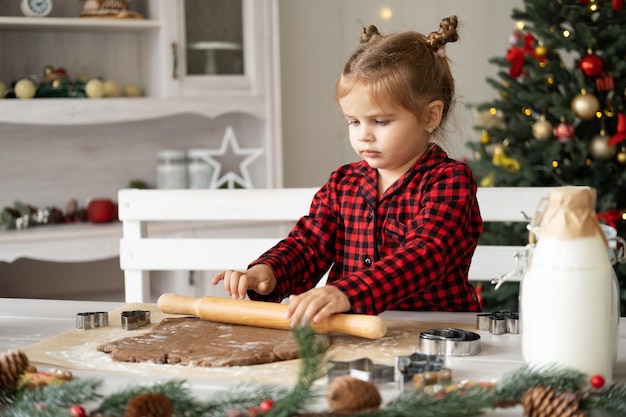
(469, 399)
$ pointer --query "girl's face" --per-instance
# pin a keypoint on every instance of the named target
(390, 138)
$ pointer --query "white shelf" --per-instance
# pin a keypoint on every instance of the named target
(76, 23)
(75, 111)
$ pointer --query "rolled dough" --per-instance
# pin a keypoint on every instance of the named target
(191, 341)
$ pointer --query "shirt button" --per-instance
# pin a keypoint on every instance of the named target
(367, 261)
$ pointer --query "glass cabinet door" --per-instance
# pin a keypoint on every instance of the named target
(214, 37)
(220, 47)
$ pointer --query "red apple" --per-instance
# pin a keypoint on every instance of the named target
(101, 210)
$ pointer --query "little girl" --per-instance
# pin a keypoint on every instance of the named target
(397, 229)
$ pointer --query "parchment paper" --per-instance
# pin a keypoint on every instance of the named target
(77, 349)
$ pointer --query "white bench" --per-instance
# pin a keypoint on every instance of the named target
(239, 212)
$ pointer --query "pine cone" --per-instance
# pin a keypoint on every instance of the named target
(12, 365)
(348, 393)
(151, 404)
(545, 402)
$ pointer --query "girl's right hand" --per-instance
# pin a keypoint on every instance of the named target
(259, 278)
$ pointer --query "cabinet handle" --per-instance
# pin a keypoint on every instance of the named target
(174, 60)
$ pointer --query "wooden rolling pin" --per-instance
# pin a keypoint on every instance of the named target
(265, 314)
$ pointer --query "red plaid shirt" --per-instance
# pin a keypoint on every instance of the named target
(410, 250)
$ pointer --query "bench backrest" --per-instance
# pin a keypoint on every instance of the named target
(161, 228)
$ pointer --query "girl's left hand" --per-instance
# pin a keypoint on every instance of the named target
(316, 305)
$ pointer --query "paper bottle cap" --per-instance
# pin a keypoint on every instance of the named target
(570, 213)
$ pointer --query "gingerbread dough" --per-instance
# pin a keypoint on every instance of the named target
(191, 341)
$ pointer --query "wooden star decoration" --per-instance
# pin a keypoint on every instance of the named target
(231, 162)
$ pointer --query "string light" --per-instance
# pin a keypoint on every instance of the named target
(386, 13)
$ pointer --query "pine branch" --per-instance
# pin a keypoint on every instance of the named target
(54, 400)
(312, 350)
(513, 385)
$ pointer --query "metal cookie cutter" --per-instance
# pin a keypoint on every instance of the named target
(449, 341)
(498, 322)
(91, 320)
(363, 369)
(135, 319)
(420, 369)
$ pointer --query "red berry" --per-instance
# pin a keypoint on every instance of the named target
(77, 411)
(597, 381)
(234, 413)
(266, 405)
(254, 411)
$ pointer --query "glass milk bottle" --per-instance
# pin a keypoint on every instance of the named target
(569, 305)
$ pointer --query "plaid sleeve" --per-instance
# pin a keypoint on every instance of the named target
(300, 260)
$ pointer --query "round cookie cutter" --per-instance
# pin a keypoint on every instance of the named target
(449, 341)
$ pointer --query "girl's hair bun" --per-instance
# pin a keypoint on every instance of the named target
(447, 33)
(370, 34)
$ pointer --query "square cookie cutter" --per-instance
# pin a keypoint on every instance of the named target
(364, 369)
(135, 319)
(420, 369)
(91, 320)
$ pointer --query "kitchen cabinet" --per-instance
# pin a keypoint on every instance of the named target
(55, 149)
(157, 52)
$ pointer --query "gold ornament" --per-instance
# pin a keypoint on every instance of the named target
(94, 88)
(542, 129)
(621, 157)
(132, 90)
(3, 89)
(599, 149)
(585, 106)
(485, 137)
(541, 51)
(488, 180)
(500, 159)
(25, 88)
(111, 88)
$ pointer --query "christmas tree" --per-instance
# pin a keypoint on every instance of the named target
(560, 114)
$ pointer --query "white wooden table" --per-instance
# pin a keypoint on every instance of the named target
(26, 321)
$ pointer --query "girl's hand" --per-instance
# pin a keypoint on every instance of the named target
(316, 305)
(259, 278)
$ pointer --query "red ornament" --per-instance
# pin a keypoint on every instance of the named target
(597, 381)
(101, 210)
(591, 65)
(77, 411)
(564, 132)
(617, 4)
(266, 405)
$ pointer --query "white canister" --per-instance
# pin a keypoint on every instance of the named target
(569, 305)
(198, 169)
(172, 169)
